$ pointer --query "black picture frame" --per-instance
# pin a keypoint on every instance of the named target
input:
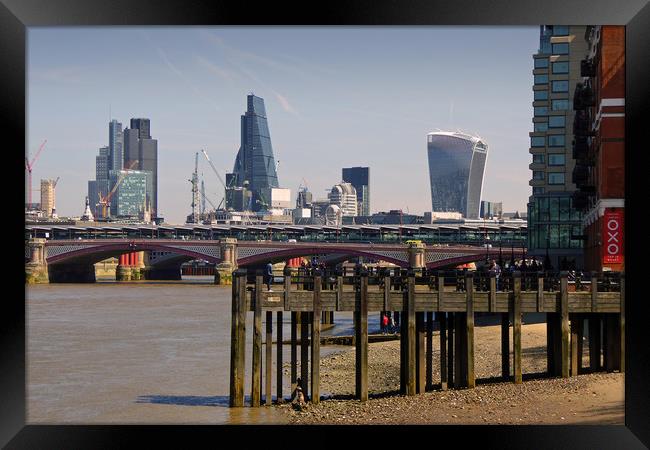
(16, 15)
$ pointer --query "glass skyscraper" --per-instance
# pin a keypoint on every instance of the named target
(359, 177)
(255, 163)
(456, 169)
(130, 196)
(115, 145)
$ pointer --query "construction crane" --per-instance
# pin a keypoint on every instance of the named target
(104, 202)
(214, 169)
(29, 166)
(195, 190)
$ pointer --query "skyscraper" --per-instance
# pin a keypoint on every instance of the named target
(255, 162)
(456, 169)
(553, 221)
(143, 126)
(130, 195)
(115, 145)
(148, 157)
(344, 196)
(359, 177)
(131, 146)
(48, 196)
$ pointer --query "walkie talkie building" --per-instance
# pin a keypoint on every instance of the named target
(456, 169)
(255, 162)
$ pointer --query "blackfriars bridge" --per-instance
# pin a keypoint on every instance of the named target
(73, 260)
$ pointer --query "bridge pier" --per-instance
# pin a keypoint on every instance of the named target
(223, 271)
(36, 271)
(158, 273)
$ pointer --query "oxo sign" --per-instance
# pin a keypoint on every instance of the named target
(612, 234)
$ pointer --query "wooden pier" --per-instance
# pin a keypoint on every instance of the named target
(455, 298)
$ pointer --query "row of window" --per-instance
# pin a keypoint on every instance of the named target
(553, 236)
(554, 140)
(556, 67)
(553, 209)
(552, 122)
(554, 159)
(554, 49)
(556, 85)
(553, 177)
(556, 105)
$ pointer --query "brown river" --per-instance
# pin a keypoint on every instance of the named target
(139, 353)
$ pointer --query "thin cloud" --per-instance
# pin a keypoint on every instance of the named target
(68, 75)
(213, 68)
(285, 103)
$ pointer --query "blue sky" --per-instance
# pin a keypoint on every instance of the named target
(335, 97)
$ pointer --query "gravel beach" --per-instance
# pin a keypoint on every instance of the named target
(585, 399)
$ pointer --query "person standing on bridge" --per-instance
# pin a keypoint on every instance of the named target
(269, 275)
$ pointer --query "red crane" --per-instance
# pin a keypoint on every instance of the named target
(29, 166)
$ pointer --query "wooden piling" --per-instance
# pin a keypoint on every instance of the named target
(469, 329)
(315, 342)
(443, 350)
(238, 339)
(361, 330)
(540, 293)
(516, 327)
(459, 357)
(576, 326)
(257, 344)
(564, 317)
(295, 319)
(278, 339)
(268, 363)
(429, 381)
(492, 304)
(304, 353)
(505, 346)
(594, 342)
(420, 357)
(410, 320)
(450, 351)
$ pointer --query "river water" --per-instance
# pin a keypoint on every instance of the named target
(140, 353)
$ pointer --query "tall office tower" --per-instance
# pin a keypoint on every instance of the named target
(47, 197)
(148, 157)
(101, 165)
(255, 162)
(344, 196)
(115, 145)
(129, 199)
(599, 147)
(553, 221)
(456, 169)
(131, 147)
(304, 199)
(143, 126)
(490, 210)
(359, 177)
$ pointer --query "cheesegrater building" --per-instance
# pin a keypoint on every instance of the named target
(456, 168)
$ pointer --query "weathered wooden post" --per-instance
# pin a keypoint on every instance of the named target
(450, 350)
(304, 353)
(469, 327)
(460, 361)
(420, 363)
(257, 343)
(576, 326)
(268, 363)
(564, 317)
(540, 292)
(315, 340)
(278, 324)
(492, 302)
(361, 331)
(516, 326)
(429, 380)
(295, 319)
(410, 320)
(442, 318)
(238, 338)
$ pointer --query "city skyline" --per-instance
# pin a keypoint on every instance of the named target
(369, 103)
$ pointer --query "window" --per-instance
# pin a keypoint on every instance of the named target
(541, 63)
(554, 208)
(556, 178)
(560, 86)
(541, 79)
(556, 140)
(540, 95)
(540, 126)
(540, 110)
(559, 105)
(561, 49)
(560, 30)
(564, 209)
(538, 190)
(538, 159)
(556, 121)
(561, 67)
(537, 141)
(538, 175)
(556, 159)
